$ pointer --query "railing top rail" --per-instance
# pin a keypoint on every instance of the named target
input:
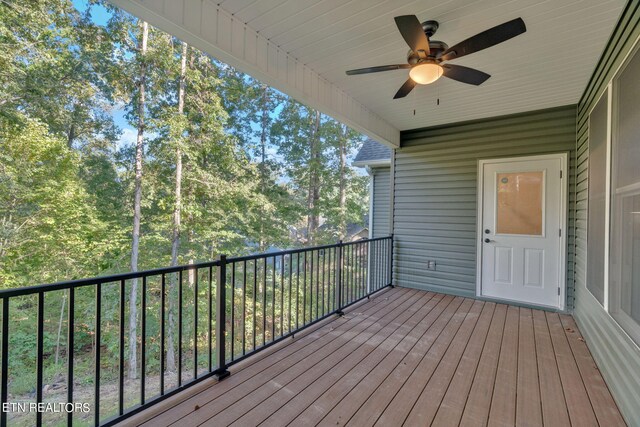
(57, 286)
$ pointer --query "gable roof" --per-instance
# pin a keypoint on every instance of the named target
(372, 153)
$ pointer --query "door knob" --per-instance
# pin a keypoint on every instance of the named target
(487, 240)
(487, 231)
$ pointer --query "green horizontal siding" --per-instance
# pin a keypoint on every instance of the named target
(617, 356)
(381, 201)
(435, 192)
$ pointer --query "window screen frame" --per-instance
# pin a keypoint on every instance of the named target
(606, 96)
(626, 322)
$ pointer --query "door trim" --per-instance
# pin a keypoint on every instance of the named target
(564, 157)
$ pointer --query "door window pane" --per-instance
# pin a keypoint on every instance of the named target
(597, 198)
(519, 203)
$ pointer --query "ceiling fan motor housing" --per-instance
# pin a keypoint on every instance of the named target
(436, 47)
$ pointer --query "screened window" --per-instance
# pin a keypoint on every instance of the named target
(624, 278)
(597, 198)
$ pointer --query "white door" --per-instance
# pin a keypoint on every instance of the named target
(522, 216)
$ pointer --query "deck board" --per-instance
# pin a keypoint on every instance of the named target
(503, 402)
(414, 358)
(554, 406)
(528, 404)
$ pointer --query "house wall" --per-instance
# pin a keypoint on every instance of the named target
(381, 178)
(617, 356)
(435, 192)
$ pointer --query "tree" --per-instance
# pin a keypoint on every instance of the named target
(56, 67)
(135, 242)
(177, 136)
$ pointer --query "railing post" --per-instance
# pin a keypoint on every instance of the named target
(391, 264)
(221, 321)
(4, 394)
(339, 279)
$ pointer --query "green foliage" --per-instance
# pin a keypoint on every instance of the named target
(67, 180)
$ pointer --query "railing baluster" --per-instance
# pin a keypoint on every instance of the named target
(329, 282)
(317, 284)
(255, 288)
(349, 274)
(304, 285)
(290, 294)
(336, 273)
(39, 361)
(179, 328)
(385, 262)
(282, 296)
(264, 302)
(121, 348)
(221, 312)
(143, 341)
(163, 290)
(273, 301)
(356, 270)
(324, 285)
(233, 304)
(360, 272)
(244, 306)
(70, 329)
(298, 291)
(96, 380)
(339, 278)
(363, 270)
(311, 286)
(195, 324)
(381, 269)
(377, 264)
(383, 243)
(391, 260)
(4, 395)
(210, 318)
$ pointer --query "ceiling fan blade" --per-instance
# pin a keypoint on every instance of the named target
(405, 89)
(485, 39)
(464, 74)
(377, 69)
(413, 33)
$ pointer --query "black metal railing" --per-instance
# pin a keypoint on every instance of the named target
(252, 301)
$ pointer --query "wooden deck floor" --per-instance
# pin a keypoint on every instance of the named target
(414, 358)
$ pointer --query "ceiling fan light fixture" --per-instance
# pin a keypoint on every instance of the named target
(426, 73)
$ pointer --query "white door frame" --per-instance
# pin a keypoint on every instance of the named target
(564, 157)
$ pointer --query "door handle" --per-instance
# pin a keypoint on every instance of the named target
(488, 240)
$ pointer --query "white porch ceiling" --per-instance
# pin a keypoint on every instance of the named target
(311, 43)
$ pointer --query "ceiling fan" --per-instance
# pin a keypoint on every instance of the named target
(426, 58)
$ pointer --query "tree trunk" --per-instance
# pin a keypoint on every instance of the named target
(133, 308)
(343, 191)
(314, 180)
(263, 158)
(175, 243)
